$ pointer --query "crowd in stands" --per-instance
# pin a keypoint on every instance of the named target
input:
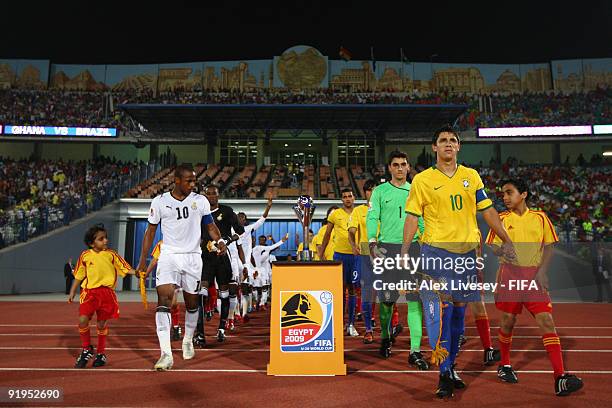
(59, 108)
(73, 108)
(542, 109)
(576, 198)
(37, 196)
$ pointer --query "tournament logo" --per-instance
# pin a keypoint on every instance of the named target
(307, 321)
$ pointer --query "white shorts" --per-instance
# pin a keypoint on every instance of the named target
(263, 277)
(182, 270)
(258, 281)
(249, 280)
(236, 270)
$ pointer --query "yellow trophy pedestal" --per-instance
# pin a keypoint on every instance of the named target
(306, 321)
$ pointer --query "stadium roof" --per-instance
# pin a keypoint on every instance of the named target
(197, 120)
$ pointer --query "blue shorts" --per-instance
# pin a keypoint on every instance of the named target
(364, 269)
(350, 267)
(454, 270)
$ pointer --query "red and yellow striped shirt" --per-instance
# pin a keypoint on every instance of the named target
(96, 269)
(529, 232)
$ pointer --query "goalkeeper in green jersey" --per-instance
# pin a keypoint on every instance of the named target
(387, 216)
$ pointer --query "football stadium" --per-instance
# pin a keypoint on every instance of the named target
(336, 207)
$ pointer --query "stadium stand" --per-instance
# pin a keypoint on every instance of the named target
(37, 196)
(308, 185)
(259, 183)
(342, 178)
(359, 177)
(223, 177)
(239, 186)
(326, 187)
(278, 177)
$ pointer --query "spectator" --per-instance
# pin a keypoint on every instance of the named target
(68, 274)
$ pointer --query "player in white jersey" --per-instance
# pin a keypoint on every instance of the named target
(236, 254)
(261, 257)
(247, 281)
(247, 245)
(182, 214)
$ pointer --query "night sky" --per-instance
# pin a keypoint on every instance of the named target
(485, 32)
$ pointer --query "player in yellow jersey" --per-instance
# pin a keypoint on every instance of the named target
(96, 271)
(447, 196)
(534, 237)
(358, 238)
(338, 222)
(317, 240)
(300, 246)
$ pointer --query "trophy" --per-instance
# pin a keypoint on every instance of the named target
(304, 209)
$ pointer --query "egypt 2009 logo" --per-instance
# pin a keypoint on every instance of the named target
(307, 321)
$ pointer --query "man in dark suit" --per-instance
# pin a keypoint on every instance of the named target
(68, 274)
(601, 270)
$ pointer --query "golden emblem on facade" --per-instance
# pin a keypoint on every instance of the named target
(302, 70)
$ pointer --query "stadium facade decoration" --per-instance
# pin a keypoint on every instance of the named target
(304, 68)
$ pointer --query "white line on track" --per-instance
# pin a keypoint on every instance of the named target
(248, 371)
(242, 350)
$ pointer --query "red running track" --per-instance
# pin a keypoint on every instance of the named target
(39, 342)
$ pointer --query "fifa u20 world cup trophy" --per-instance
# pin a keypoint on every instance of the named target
(304, 209)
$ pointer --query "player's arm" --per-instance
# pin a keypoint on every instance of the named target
(215, 235)
(352, 233)
(550, 238)
(147, 241)
(80, 272)
(154, 257)
(353, 225)
(122, 266)
(411, 226)
(494, 243)
(327, 236)
(542, 275)
(373, 217)
(414, 212)
(75, 284)
(151, 266)
(492, 219)
(265, 214)
(278, 244)
(154, 219)
(240, 252)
